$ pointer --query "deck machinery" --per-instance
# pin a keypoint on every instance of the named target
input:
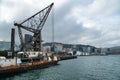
(34, 24)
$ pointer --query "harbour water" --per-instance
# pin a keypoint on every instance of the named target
(82, 68)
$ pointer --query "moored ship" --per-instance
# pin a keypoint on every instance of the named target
(26, 61)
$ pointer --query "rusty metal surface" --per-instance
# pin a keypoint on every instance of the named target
(13, 70)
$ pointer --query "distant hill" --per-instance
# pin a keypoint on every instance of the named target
(116, 47)
(115, 50)
(5, 45)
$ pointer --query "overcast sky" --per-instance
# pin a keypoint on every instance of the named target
(89, 22)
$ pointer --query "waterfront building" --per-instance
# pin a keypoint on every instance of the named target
(74, 49)
(47, 48)
(105, 51)
(57, 47)
(78, 53)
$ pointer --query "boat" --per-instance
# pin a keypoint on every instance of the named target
(66, 57)
(26, 61)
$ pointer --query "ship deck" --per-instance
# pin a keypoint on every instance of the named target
(13, 70)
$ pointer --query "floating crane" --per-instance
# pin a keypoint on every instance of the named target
(34, 24)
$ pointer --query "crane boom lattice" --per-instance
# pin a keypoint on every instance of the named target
(34, 24)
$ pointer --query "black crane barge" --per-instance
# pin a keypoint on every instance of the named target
(33, 58)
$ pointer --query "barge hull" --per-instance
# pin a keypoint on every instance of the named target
(13, 70)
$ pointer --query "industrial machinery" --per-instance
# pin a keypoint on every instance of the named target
(34, 24)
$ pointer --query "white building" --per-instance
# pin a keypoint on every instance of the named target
(47, 48)
(57, 47)
(104, 50)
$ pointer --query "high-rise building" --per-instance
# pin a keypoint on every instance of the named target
(27, 40)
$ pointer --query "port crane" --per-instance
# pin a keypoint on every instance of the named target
(34, 24)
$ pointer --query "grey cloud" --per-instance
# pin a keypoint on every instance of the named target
(66, 30)
(5, 30)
